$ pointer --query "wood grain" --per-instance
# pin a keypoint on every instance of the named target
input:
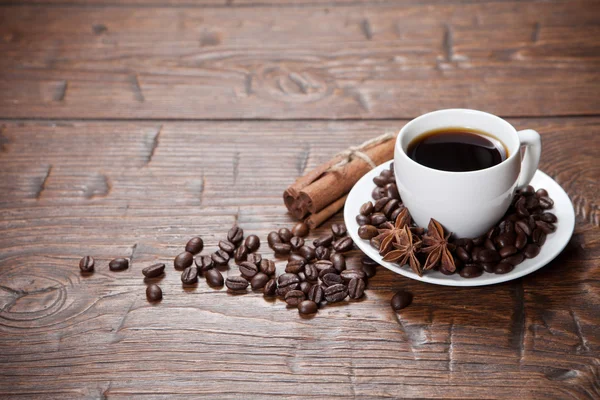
(388, 61)
(141, 189)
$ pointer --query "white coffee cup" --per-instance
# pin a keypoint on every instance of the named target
(465, 203)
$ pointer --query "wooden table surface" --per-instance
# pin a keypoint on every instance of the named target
(129, 126)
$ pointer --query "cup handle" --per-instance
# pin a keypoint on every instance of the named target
(533, 149)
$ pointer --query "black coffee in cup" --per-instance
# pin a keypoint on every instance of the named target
(457, 150)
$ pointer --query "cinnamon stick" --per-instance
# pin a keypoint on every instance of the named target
(334, 184)
(315, 220)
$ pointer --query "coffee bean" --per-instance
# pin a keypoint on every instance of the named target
(86, 264)
(343, 245)
(311, 273)
(300, 229)
(391, 191)
(267, 267)
(479, 240)
(236, 283)
(356, 288)
(270, 288)
(285, 235)
(488, 267)
(154, 270)
(507, 251)
(363, 220)
(282, 248)
(531, 202)
(505, 239)
(120, 264)
(367, 232)
(548, 217)
(259, 281)
(204, 263)
(294, 267)
(153, 292)
(538, 236)
(395, 213)
(531, 250)
(375, 243)
(322, 253)
(189, 276)
(515, 259)
(308, 307)
(527, 191)
(390, 207)
(378, 219)
(316, 294)
(252, 243)
(254, 258)
(339, 230)
(521, 240)
(324, 240)
(510, 227)
(380, 181)
(541, 193)
(475, 253)
(296, 242)
(183, 260)
(401, 300)
(227, 246)
(301, 276)
(335, 293)
(545, 226)
(214, 277)
(350, 274)
(463, 254)
(487, 255)
(324, 272)
(366, 209)
(305, 286)
(235, 235)
(331, 279)
(294, 297)
(273, 238)
(488, 244)
(338, 261)
(503, 267)
(295, 256)
(366, 260)
(220, 258)
(369, 270)
(307, 252)
(523, 226)
(241, 254)
(288, 281)
(248, 269)
(470, 271)
(194, 245)
(323, 264)
(546, 203)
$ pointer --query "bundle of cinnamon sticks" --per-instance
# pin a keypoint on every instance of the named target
(322, 192)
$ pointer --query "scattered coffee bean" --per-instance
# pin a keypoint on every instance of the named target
(153, 292)
(241, 254)
(471, 271)
(391, 191)
(507, 251)
(488, 244)
(538, 236)
(367, 232)
(259, 281)
(541, 193)
(235, 235)
(380, 181)
(270, 288)
(324, 240)
(285, 235)
(227, 246)
(343, 245)
(300, 229)
(267, 267)
(531, 250)
(366, 260)
(366, 209)
(273, 238)
(545, 226)
(401, 300)
(335, 293)
(322, 253)
(307, 252)
(296, 242)
(339, 230)
(521, 240)
(294, 297)
(305, 287)
(390, 207)
(356, 288)
(515, 259)
(154, 270)
(323, 264)
(316, 294)
(254, 258)
(119, 264)
(248, 269)
(252, 243)
(308, 307)
(189, 276)
(531, 202)
(220, 258)
(324, 272)
(338, 261)
(504, 267)
(86, 264)
(194, 245)
(375, 243)
(214, 277)
(378, 219)
(463, 254)
(395, 213)
(311, 273)
(488, 267)
(523, 226)
(349, 274)
(380, 204)
(183, 260)
(282, 248)
(546, 203)
(236, 283)
(527, 191)
(204, 263)
(548, 217)
(294, 267)
(487, 255)
(363, 220)
(478, 241)
(287, 282)
(331, 279)
(369, 270)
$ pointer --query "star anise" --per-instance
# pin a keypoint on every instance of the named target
(391, 233)
(406, 249)
(437, 248)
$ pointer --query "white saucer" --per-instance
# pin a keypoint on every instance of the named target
(555, 243)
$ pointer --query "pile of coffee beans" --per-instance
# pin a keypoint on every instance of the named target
(519, 235)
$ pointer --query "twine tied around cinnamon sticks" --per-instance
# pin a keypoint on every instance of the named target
(322, 191)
